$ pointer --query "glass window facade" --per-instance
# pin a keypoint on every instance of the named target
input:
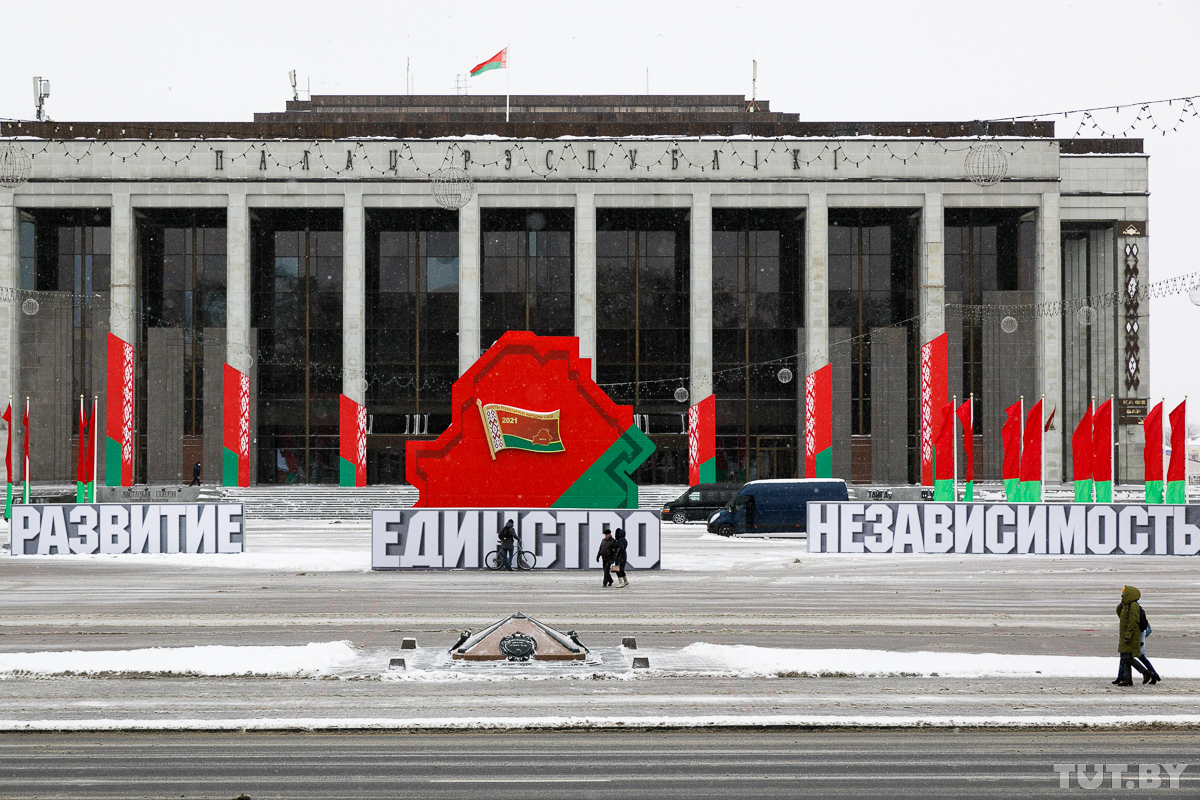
(412, 332)
(297, 309)
(757, 314)
(987, 250)
(643, 330)
(528, 272)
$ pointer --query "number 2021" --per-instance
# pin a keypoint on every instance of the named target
(508, 420)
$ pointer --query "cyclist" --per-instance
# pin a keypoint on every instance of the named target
(508, 538)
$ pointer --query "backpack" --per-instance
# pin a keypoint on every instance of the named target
(1143, 623)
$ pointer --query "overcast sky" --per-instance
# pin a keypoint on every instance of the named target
(210, 61)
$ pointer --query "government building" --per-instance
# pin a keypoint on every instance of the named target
(374, 246)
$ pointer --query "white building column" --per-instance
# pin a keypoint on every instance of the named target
(237, 282)
(1049, 332)
(585, 275)
(10, 307)
(816, 282)
(931, 273)
(354, 297)
(123, 316)
(701, 297)
(469, 275)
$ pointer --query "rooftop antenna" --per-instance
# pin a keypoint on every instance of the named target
(41, 90)
(292, 78)
(753, 104)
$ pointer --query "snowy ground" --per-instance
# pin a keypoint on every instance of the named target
(297, 632)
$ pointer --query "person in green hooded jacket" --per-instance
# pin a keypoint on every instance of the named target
(1129, 635)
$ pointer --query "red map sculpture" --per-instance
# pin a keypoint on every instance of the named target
(530, 429)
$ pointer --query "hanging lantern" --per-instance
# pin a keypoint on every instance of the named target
(452, 187)
(15, 166)
(785, 375)
(681, 395)
(985, 164)
(1009, 324)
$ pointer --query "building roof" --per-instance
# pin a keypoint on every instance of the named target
(542, 117)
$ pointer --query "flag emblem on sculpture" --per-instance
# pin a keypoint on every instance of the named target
(352, 443)
(818, 423)
(512, 428)
(935, 388)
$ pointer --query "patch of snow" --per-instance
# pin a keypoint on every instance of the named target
(308, 660)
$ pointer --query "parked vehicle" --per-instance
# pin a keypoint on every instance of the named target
(775, 506)
(700, 501)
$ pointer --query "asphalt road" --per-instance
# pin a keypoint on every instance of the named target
(726, 763)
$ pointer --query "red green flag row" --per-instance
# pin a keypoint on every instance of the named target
(1153, 456)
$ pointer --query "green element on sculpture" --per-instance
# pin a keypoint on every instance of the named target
(347, 473)
(1176, 492)
(229, 467)
(607, 484)
(112, 462)
(1012, 490)
(969, 492)
(708, 471)
(1154, 492)
(1083, 491)
(1030, 492)
(1103, 491)
(825, 463)
(943, 491)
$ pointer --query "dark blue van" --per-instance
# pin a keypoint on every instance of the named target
(775, 506)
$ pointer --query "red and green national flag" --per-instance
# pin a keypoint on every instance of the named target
(1102, 451)
(352, 443)
(702, 441)
(1010, 438)
(118, 447)
(943, 454)
(1177, 467)
(1152, 454)
(1031, 455)
(1081, 458)
(235, 433)
(512, 428)
(935, 391)
(818, 423)
(8, 462)
(85, 473)
(966, 415)
(498, 61)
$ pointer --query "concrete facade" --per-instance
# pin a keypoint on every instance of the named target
(699, 175)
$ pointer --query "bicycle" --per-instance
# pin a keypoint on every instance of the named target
(522, 559)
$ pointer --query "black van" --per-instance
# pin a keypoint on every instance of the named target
(700, 501)
(775, 506)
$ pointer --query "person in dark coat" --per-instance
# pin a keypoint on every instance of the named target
(619, 557)
(195, 474)
(1129, 635)
(605, 556)
(508, 539)
(1151, 674)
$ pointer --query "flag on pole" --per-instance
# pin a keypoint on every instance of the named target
(80, 468)
(1081, 458)
(818, 423)
(943, 455)
(1152, 454)
(1102, 451)
(966, 415)
(25, 476)
(8, 461)
(92, 442)
(1177, 467)
(1031, 456)
(935, 391)
(1010, 438)
(498, 61)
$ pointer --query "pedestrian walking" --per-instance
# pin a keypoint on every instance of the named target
(195, 474)
(508, 539)
(1151, 674)
(619, 557)
(605, 556)
(1129, 636)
